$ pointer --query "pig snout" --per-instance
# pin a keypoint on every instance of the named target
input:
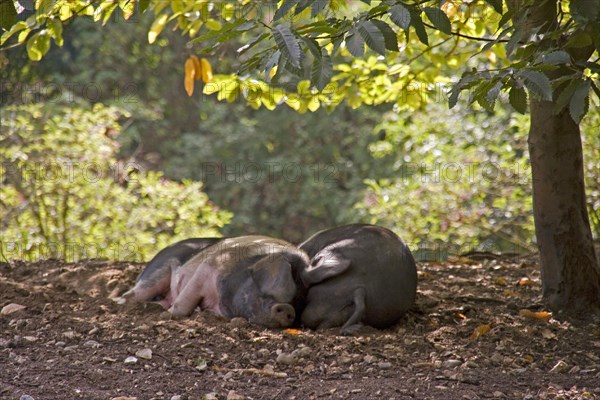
(283, 314)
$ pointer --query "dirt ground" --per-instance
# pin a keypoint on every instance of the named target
(468, 337)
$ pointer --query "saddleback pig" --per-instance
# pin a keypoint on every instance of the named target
(248, 276)
(154, 283)
(358, 274)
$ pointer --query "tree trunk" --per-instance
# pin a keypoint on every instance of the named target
(570, 270)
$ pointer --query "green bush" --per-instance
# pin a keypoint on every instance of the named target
(461, 181)
(65, 194)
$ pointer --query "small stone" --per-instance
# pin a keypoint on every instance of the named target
(385, 365)
(131, 360)
(124, 398)
(233, 395)
(176, 397)
(91, 343)
(26, 397)
(69, 334)
(345, 360)
(210, 396)
(471, 364)
(30, 339)
(285, 358)
(71, 348)
(60, 344)
(93, 331)
(302, 352)
(451, 363)
(369, 359)
(497, 394)
(11, 308)
(146, 354)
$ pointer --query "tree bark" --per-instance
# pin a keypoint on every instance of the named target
(570, 271)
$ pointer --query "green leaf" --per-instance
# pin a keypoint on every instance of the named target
(497, 4)
(8, 14)
(19, 26)
(417, 23)
(389, 36)
(518, 99)
(565, 96)
(322, 71)
(317, 7)
(505, 18)
(439, 19)
(579, 103)
(579, 39)
(302, 5)
(355, 44)
(556, 57)
(270, 63)
(585, 10)
(143, 5)
(537, 83)
(157, 27)
(372, 36)
(493, 93)
(287, 44)
(227, 32)
(38, 45)
(514, 40)
(313, 46)
(400, 16)
(285, 7)
(55, 28)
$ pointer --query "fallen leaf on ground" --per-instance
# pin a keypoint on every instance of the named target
(480, 331)
(525, 282)
(540, 315)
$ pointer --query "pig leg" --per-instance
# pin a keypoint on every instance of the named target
(354, 322)
(199, 290)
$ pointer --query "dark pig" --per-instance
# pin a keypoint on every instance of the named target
(154, 283)
(249, 276)
(358, 274)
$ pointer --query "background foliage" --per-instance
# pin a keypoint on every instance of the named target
(280, 173)
(65, 195)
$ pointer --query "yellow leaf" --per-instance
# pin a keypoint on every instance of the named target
(188, 81)
(525, 282)
(460, 316)
(207, 73)
(480, 331)
(157, 27)
(291, 331)
(540, 315)
(197, 68)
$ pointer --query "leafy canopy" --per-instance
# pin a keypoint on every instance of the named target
(309, 54)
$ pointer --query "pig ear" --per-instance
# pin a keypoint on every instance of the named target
(323, 267)
(273, 275)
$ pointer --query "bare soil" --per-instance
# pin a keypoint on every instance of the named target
(466, 338)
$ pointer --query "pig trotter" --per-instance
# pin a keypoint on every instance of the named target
(354, 322)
